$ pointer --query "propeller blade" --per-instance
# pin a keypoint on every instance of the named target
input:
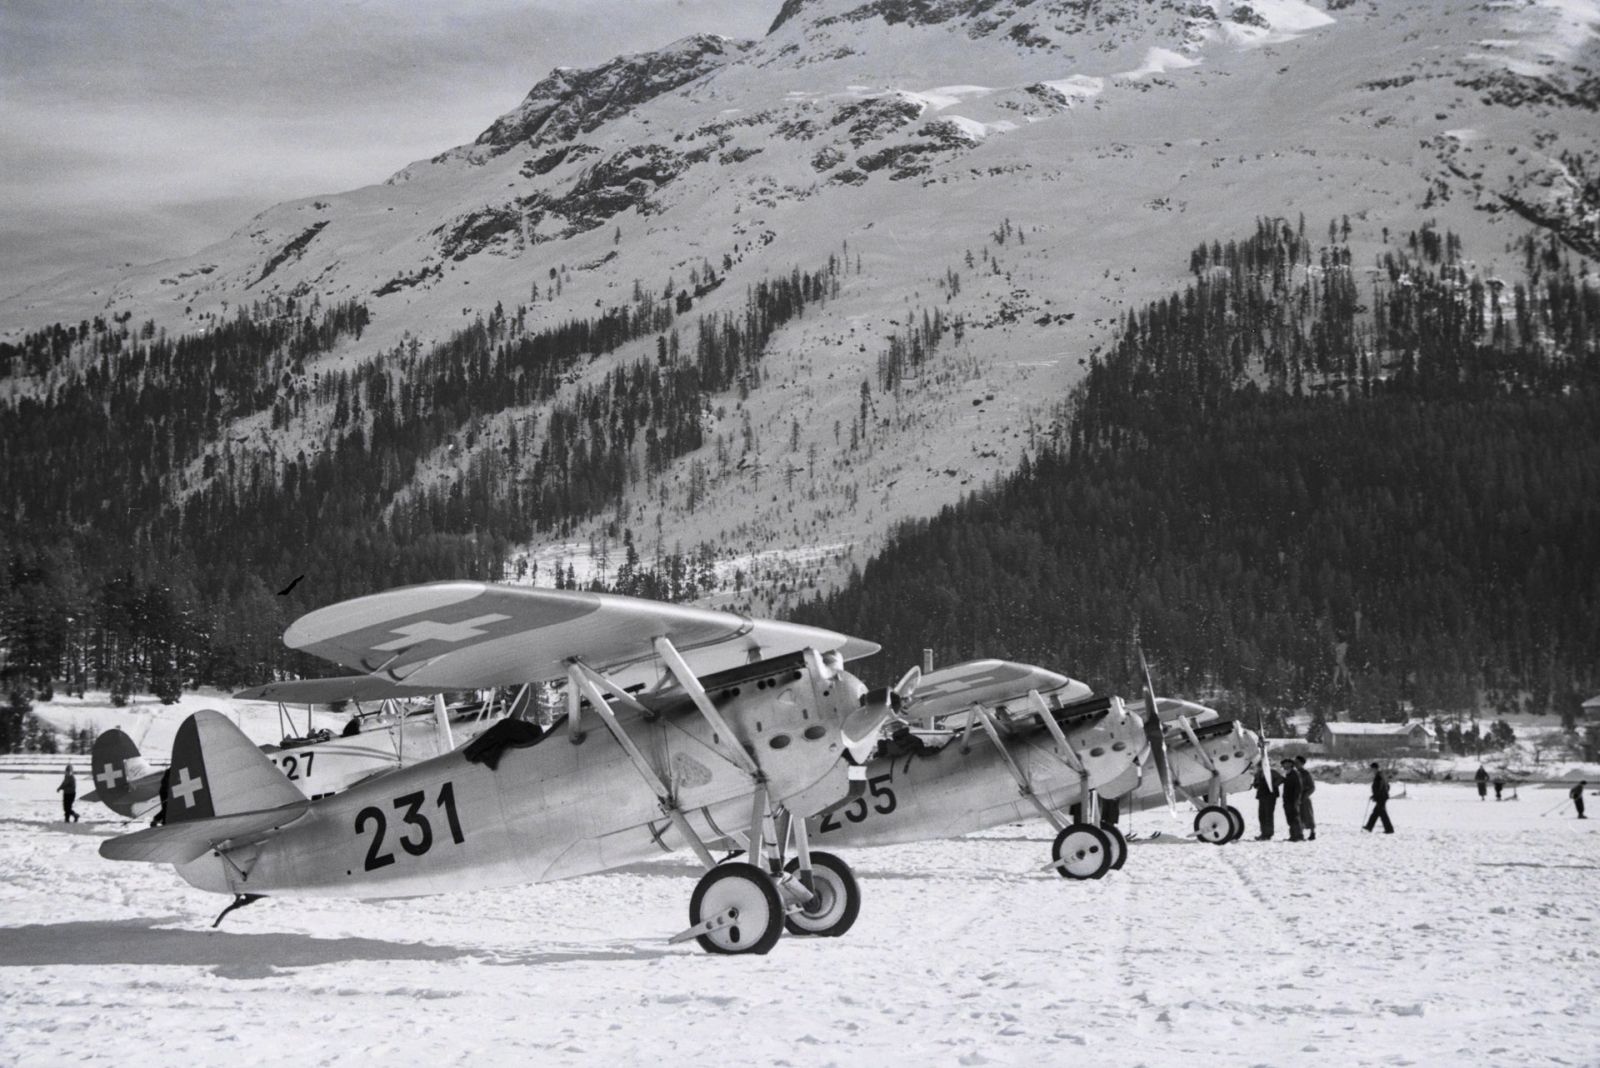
(1156, 737)
(859, 731)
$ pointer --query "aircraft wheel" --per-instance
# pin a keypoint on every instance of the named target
(1214, 825)
(1119, 847)
(757, 912)
(837, 903)
(1082, 851)
(1237, 819)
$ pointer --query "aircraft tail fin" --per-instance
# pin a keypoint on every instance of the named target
(124, 781)
(217, 771)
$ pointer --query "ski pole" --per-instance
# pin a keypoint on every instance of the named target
(1365, 812)
(1564, 803)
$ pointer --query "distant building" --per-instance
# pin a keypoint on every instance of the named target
(1379, 739)
(1591, 710)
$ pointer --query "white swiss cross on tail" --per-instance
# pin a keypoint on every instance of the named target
(186, 787)
(108, 777)
(427, 630)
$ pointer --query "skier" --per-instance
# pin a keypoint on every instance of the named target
(1483, 783)
(1499, 784)
(1380, 801)
(1308, 786)
(1266, 786)
(1577, 797)
(1291, 800)
(69, 793)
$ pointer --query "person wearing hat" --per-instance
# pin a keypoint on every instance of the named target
(1576, 793)
(1291, 800)
(1266, 785)
(1308, 786)
(1380, 801)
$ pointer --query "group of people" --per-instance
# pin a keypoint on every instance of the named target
(1295, 786)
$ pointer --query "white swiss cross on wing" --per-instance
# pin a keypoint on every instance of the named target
(428, 630)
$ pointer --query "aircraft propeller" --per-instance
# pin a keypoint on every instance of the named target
(1156, 737)
(861, 727)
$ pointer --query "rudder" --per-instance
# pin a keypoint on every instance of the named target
(123, 779)
(217, 771)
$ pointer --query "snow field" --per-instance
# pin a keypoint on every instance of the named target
(1467, 937)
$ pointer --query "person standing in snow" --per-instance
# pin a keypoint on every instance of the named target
(69, 793)
(1291, 800)
(1576, 794)
(1499, 784)
(1380, 801)
(1266, 787)
(1308, 786)
(1483, 783)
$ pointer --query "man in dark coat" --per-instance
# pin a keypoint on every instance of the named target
(1291, 800)
(69, 793)
(1577, 797)
(1308, 786)
(1380, 801)
(1483, 783)
(1266, 786)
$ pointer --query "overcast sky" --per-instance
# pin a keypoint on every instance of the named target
(134, 130)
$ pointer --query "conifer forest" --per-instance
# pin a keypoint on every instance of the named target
(1299, 482)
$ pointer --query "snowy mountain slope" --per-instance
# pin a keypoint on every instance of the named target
(1033, 169)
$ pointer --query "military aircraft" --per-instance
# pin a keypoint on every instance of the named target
(715, 726)
(1001, 742)
(390, 737)
(316, 761)
(1208, 757)
(125, 782)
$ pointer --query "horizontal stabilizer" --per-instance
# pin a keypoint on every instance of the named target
(179, 843)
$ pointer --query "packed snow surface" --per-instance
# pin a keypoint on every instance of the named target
(1468, 937)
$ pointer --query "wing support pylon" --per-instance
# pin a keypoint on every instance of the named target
(587, 681)
(986, 718)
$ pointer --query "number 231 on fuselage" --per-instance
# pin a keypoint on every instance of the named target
(683, 725)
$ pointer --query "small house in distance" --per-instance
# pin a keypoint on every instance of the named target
(1356, 740)
(1591, 710)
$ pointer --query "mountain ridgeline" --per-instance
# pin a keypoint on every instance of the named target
(1297, 482)
(137, 552)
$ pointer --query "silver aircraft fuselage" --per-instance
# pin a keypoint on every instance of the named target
(556, 809)
(955, 790)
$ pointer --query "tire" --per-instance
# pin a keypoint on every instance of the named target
(1082, 851)
(1213, 824)
(1237, 818)
(748, 889)
(1119, 847)
(838, 898)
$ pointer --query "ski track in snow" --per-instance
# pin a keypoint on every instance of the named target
(1467, 937)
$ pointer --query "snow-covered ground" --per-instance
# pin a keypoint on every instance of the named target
(1468, 937)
